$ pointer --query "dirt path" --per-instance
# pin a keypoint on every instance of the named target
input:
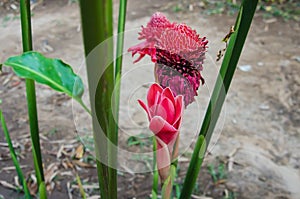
(258, 129)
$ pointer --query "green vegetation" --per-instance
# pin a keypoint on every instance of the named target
(285, 9)
(217, 174)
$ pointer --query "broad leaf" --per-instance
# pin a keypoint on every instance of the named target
(52, 72)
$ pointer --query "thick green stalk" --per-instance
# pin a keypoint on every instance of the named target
(30, 92)
(221, 88)
(97, 26)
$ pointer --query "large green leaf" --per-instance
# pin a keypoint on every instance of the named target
(52, 72)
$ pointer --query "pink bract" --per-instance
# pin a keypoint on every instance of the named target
(179, 48)
(164, 112)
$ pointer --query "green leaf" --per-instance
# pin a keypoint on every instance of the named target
(167, 186)
(194, 168)
(221, 88)
(212, 172)
(164, 192)
(26, 190)
(153, 194)
(52, 72)
(81, 190)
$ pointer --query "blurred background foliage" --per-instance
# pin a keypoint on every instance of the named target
(285, 9)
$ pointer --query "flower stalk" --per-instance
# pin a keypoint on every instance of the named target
(117, 77)
(154, 191)
(30, 92)
(119, 57)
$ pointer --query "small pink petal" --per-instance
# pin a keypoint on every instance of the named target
(158, 124)
(167, 93)
(167, 110)
(159, 110)
(153, 93)
(138, 47)
(144, 48)
(172, 143)
(178, 108)
(162, 129)
(177, 124)
(139, 58)
(145, 107)
(167, 137)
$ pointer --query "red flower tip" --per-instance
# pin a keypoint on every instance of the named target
(164, 112)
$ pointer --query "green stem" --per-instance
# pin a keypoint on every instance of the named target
(155, 171)
(42, 191)
(81, 190)
(30, 92)
(119, 55)
(221, 88)
(167, 187)
(97, 26)
(14, 157)
(84, 106)
(120, 39)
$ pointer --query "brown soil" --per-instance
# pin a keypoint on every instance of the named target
(257, 137)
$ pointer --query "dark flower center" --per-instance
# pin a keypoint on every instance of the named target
(176, 62)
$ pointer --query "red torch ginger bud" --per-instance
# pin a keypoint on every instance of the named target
(165, 114)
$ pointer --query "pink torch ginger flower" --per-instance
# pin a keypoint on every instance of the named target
(178, 52)
(165, 114)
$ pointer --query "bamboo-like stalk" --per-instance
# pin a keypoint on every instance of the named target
(221, 88)
(30, 92)
(97, 26)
